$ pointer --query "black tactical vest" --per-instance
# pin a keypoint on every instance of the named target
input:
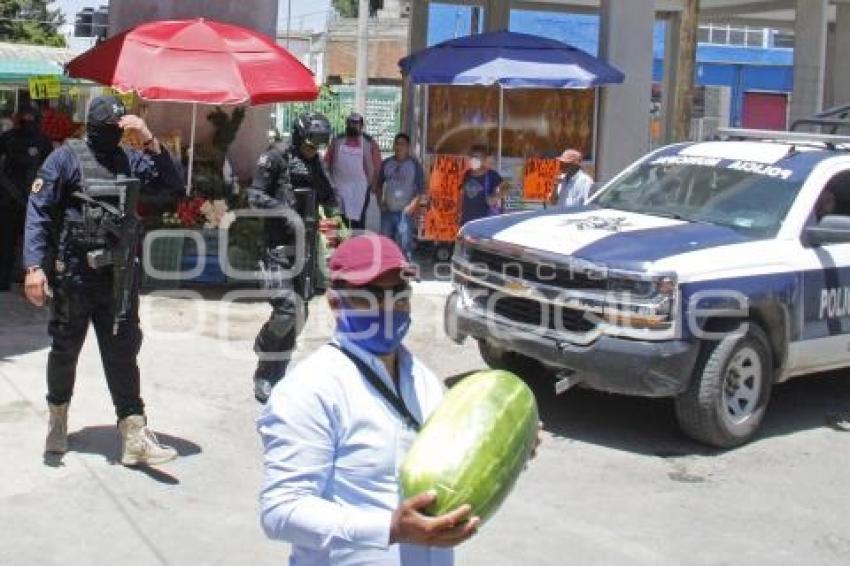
(101, 195)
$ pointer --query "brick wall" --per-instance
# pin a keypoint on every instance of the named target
(387, 44)
(383, 58)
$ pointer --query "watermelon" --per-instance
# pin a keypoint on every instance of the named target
(474, 446)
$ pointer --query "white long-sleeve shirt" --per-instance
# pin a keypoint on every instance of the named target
(333, 447)
(574, 191)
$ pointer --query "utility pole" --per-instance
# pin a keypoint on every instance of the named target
(683, 97)
(288, 22)
(362, 73)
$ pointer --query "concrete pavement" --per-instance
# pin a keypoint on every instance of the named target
(614, 482)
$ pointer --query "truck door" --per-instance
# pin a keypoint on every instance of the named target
(824, 340)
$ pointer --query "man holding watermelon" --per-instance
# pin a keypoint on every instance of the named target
(336, 430)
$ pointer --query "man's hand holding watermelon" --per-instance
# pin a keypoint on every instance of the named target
(451, 529)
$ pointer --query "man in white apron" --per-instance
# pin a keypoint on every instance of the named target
(353, 161)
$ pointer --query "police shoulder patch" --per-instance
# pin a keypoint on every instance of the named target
(37, 185)
(264, 160)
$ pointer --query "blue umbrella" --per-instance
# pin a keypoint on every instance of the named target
(508, 59)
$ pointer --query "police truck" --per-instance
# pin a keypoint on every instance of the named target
(707, 272)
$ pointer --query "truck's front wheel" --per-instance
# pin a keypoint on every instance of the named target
(726, 400)
(499, 358)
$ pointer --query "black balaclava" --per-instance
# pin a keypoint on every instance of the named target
(102, 130)
(29, 126)
(29, 120)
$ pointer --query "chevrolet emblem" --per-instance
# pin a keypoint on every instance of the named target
(517, 287)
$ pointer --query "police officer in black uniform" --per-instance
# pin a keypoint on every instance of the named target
(22, 151)
(60, 232)
(289, 178)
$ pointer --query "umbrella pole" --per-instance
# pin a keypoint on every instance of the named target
(85, 113)
(501, 126)
(191, 150)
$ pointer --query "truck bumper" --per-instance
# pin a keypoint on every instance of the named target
(612, 364)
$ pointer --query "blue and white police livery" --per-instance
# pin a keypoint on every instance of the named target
(706, 272)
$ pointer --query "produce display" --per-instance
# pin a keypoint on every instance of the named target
(474, 446)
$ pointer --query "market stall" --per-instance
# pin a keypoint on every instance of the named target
(526, 96)
(203, 63)
(30, 73)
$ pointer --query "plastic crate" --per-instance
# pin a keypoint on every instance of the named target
(166, 254)
(211, 273)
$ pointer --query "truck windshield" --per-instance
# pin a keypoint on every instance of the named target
(751, 203)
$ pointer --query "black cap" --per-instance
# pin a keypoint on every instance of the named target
(106, 110)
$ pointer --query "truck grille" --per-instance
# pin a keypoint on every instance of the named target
(544, 273)
(531, 311)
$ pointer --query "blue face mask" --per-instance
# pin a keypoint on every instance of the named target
(371, 329)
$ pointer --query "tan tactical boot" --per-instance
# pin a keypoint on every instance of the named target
(57, 429)
(139, 445)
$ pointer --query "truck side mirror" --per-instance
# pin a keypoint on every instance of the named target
(832, 229)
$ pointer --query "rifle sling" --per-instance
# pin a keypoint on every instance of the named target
(94, 202)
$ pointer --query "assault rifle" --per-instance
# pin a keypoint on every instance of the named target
(124, 228)
(307, 206)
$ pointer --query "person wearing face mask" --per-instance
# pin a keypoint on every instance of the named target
(22, 151)
(336, 430)
(64, 226)
(572, 186)
(482, 189)
(289, 178)
(354, 161)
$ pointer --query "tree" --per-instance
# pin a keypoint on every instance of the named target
(348, 8)
(31, 21)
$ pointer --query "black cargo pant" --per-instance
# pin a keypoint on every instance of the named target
(75, 305)
(277, 338)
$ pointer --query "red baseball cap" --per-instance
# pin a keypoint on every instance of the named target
(571, 156)
(360, 260)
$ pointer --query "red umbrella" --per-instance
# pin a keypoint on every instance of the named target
(197, 61)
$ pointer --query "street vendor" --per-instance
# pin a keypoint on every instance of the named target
(482, 188)
(573, 186)
(353, 161)
(338, 427)
(401, 185)
(336, 431)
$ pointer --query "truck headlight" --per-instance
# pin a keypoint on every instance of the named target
(641, 303)
(642, 286)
